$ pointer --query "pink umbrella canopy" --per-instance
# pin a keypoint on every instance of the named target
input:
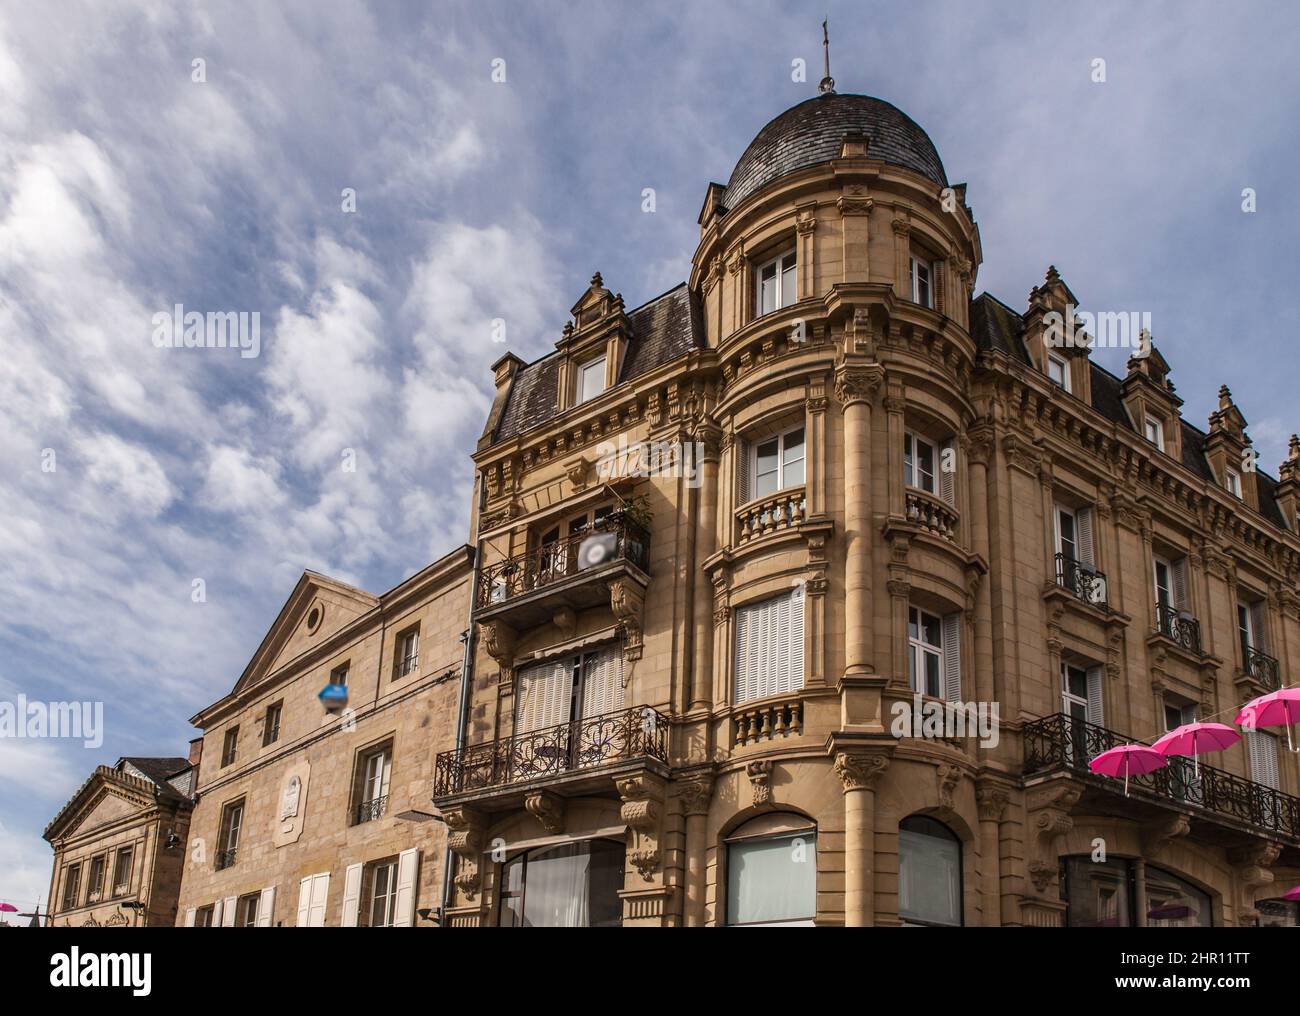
(1127, 759)
(8, 908)
(1292, 894)
(1276, 709)
(1196, 739)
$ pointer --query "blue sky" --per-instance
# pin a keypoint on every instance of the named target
(127, 187)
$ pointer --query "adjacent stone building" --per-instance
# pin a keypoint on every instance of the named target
(119, 845)
(313, 817)
(737, 544)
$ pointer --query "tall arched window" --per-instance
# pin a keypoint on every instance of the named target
(772, 872)
(929, 873)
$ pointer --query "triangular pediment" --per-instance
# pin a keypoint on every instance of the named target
(317, 608)
(107, 797)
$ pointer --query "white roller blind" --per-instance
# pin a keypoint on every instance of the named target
(1083, 519)
(189, 916)
(351, 895)
(947, 478)
(1095, 713)
(545, 690)
(266, 907)
(603, 683)
(408, 866)
(952, 657)
(1262, 751)
(228, 909)
(769, 647)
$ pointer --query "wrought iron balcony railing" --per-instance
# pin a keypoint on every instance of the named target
(1060, 742)
(226, 858)
(554, 562)
(368, 811)
(1179, 626)
(639, 732)
(1085, 582)
(1262, 667)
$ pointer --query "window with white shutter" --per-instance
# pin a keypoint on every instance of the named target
(545, 695)
(266, 907)
(948, 477)
(1261, 749)
(602, 682)
(351, 895)
(952, 657)
(408, 867)
(769, 647)
(1084, 519)
(1096, 714)
(313, 892)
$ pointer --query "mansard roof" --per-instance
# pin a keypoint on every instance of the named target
(662, 330)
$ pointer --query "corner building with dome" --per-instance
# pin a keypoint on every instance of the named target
(892, 497)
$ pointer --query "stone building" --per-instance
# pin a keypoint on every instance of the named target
(738, 548)
(119, 845)
(307, 816)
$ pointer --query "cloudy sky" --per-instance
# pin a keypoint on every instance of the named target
(127, 186)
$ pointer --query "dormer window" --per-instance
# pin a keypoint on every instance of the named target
(776, 284)
(1058, 372)
(1155, 431)
(591, 380)
(1233, 483)
(921, 274)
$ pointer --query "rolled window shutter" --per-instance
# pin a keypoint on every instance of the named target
(304, 902)
(1179, 571)
(947, 479)
(189, 916)
(744, 472)
(1083, 520)
(351, 895)
(1095, 713)
(1262, 751)
(952, 657)
(266, 907)
(408, 865)
(228, 911)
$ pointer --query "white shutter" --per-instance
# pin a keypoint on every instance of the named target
(952, 657)
(1261, 748)
(408, 865)
(1083, 524)
(769, 647)
(304, 901)
(602, 690)
(1178, 571)
(1095, 713)
(320, 891)
(1257, 626)
(744, 472)
(545, 690)
(189, 916)
(266, 907)
(947, 485)
(794, 673)
(351, 895)
(228, 911)
(740, 677)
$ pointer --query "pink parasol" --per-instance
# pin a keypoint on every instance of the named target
(8, 908)
(1126, 759)
(1195, 739)
(1276, 709)
(1292, 894)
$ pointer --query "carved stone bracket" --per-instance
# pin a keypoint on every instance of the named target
(465, 827)
(948, 776)
(1048, 809)
(1157, 835)
(760, 781)
(626, 600)
(547, 808)
(642, 810)
(1251, 866)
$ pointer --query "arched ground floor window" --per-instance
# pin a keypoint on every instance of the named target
(1103, 894)
(572, 885)
(929, 873)
(772, 872)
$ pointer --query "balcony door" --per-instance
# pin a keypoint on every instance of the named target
(1081, 702)
(557, 545)
(558, 705)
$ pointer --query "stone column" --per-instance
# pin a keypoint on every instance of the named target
(1140, 893)
(705, 532)
(991, 801)
(695, 794)
(858, 773)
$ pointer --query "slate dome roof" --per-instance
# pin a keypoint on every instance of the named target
(811, 133)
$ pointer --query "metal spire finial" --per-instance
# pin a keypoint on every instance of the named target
(827, 86)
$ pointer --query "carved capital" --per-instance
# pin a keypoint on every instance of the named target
(857, 384)
(695, 794)
(859, 771)
(991, 803)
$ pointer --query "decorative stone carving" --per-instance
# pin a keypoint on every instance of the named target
(1251, 867)
(576, 470)
(465, 828)
(948, 776)
(991, 803)
(760, 781)
(1158, 834)
(860, 770)
(547, 808)
(695, 793)
(1048, 809)
(626, 600)
(857, 384)
(642, 810)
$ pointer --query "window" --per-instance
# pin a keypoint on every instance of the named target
(574, 885)
(571, 687)
(1234, 483)
(776, 284)
(122, 871)
(919, 275)
(71, 886)
(408, 652)
(232, 820)
(95, 887)
(925, 657)
(271, 724)
(339, 675)
(1261, 751)
(204, 915)
(1155, 432)
(1278, 913)
(1171, 582)
(1176, 715)
(1067, 535)
(380, 893)
(1081, 701)
(772, 872)
(920, 462)
(1058, 372)
(374, 770)
(246, 911)
(769, 647)
(929, 873)
(230, 746)
(591, 380)
(775, 464)
(1074, 566)
(1250, 628)
(1174, 903)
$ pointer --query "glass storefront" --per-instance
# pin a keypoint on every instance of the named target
(1103, 894)
(572, 885)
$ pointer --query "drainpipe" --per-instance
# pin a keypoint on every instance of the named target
(466, 678)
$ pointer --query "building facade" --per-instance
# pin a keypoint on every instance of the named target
(309, 816)
(806, 591)
(119, 845)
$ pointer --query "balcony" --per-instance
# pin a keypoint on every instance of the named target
(368, 811)
(1179, 626)
(1060, 743)
(1086, 583)
(565, 753)
(1262, 667)
(528, 588)
(931, 513)
(777, 512)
